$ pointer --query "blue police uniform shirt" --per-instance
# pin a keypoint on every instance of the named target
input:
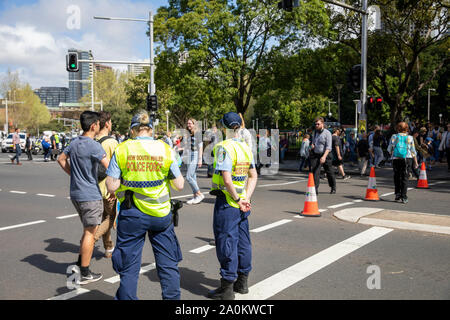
(115, 172)
(224, 162)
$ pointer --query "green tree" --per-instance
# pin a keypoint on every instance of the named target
(110, 88)
(228, 40)
(410, 30)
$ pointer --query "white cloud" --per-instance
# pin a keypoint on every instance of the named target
(35, 38)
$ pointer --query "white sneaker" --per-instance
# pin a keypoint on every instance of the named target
(198, 199)
(190, 201)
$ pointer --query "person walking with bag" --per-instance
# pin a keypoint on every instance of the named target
(108, 144)
(401, 147)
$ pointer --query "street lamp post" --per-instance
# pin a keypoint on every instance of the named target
(430, 89)
(329, 110)
(167, 120)
(356, 116)
(151, 86)
(339, 87)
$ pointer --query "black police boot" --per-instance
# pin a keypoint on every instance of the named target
(224, 292)
(241, 286)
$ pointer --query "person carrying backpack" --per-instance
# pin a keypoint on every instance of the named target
(401, 147)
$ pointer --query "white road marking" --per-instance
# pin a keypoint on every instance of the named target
(357, 200)
(22, 225)
(387, 194)
(68, 216)
(431, 184)
(270, 226)
(281, 184)
(288, 277)
(178, 197)
(70, 294)
(340, 205)
(143, 270)
(19, 192)
(45, 195)
(202, 249)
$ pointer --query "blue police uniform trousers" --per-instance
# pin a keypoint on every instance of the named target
(132, 227)
(232, 237)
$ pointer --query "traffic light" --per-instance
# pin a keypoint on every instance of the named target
(152, 103)
(72, 62)
(288, 5)
(370, 102)
(379, 102)
(354, 78)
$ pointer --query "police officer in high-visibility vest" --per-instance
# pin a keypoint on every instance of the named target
(233, 183)
(140, 173)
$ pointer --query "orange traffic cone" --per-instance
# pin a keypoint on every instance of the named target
(422, 182)
(311, 208)
(372, 192)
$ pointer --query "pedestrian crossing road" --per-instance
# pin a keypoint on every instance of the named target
(294, 257)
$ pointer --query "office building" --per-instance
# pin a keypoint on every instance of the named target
(52, 96)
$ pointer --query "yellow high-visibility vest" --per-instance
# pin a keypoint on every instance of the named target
(241, 157)
(145, 166)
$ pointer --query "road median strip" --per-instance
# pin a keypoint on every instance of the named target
(405, 220)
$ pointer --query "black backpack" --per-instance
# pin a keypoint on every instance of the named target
(101, 171)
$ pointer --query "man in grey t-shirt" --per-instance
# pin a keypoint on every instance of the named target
(321, 145)
(84, 155)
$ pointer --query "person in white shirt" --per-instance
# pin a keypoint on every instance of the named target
(445, 145)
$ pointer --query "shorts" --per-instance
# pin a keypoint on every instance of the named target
(337, 162)
(90, 212)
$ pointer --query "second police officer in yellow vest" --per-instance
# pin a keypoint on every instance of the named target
(140, 173)
(233, 183)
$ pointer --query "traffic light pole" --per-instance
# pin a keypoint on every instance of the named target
(363, 98)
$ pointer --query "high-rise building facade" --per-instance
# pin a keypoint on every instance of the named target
(79, 89)
(52, 96)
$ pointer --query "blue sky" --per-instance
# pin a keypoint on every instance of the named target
(35, 35)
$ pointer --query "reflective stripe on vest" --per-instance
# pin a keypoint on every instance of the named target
(241, 157)
(145, 165)
(145, 198)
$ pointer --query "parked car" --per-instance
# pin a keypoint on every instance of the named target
(7, 144)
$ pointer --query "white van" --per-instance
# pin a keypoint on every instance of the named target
(7, 144)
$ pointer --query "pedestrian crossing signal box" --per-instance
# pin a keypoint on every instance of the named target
(72, 62)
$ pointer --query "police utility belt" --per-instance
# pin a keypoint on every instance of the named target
(128, 202)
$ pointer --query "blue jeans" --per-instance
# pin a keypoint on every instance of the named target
(191, 175)
(132, 226)
(18, 153)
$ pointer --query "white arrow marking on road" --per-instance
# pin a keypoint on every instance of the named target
(202, 249)
(290, 276)
(143, 270)
(270, 226)
(22, 225)
(340, 205)
(70, 294)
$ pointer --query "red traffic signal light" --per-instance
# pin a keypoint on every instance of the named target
(379, 102)
(370, 102)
